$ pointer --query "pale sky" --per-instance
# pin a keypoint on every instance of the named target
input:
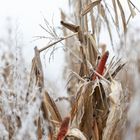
(28, 14)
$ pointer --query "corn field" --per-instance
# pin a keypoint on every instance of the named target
(102, 78)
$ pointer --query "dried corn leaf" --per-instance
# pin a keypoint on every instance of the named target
(90, 6)
(96, 131)
(101, 10)
(116, 93)
(131, 9)
(75, 105)
(51, 107)
(115, 72)
(36, 74)
(93, 41)
(122, 15)
(84, 67)
(84, 104)
(115, 118)
(74, 132)
(100, 105)
(116, 13)
(92, 50)
(134, 5)
(93, 22)
(85, 19)
(38, 70)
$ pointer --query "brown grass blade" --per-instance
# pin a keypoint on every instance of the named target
(51, 107)
(122, 16)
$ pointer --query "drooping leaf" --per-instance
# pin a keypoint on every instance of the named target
(90, 6)
(122, 16)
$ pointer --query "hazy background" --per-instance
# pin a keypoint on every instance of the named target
(25, 16)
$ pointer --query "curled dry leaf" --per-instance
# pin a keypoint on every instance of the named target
(74, 28)
(82, 110)
(122, 15)
(89, 7)
(50, 106)
(115, 118)
(36, 74)
(74, 132)
(116, 92)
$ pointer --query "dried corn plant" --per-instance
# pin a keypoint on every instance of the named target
(98, 101)
(106, 111)
(90, 19)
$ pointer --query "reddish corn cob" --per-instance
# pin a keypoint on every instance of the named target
(101, 66)
(63, 128)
